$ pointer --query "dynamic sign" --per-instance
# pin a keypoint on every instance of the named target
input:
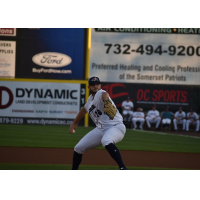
(34, 102)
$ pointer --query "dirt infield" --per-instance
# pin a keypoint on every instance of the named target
(99, 157)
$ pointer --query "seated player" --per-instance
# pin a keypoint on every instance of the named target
(127, 109)
(179, 118)
(153, 117)
(138, 117)
(166, 118)
(192, 118)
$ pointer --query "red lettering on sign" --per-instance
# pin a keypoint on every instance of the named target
(155, 94)
(109, 89)
(161, 94)
(178, 95)
(145, 95)
(10, 97)
(140, 94)
(184, 97)
(173, 94)
(166, 95)
(113, 96)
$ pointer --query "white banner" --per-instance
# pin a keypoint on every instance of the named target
(40, 99)
(7, 58)
(146, 55)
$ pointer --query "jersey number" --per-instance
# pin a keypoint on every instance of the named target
(98, 113)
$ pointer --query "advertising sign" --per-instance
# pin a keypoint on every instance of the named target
(7, 58)
(40, 102)
(7, 31)
(146, 55)
(145, 95)
(52, 53)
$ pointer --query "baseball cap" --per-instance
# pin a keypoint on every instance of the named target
(191, 110)
(167, 107)
(180, 107)
(128, 97)
(154, 105)
(94, 80)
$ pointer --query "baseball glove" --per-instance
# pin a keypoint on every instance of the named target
(110, 110)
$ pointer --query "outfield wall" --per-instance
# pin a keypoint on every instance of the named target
(47, 70)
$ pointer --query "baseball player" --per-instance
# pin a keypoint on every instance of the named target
(153, 117)
(138, 117)
(192, 118)
(127, 108)
(166, 118)
(179, 118)
(109, 125)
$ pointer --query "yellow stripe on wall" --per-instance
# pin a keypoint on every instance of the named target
(44, 80)
(87, 71)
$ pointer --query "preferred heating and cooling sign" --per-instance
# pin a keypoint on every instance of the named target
(40, 99)
(146, 55)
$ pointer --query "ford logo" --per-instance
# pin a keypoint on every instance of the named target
(51, 59)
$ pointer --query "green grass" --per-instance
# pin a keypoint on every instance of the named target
(58, 136)
(68, 167)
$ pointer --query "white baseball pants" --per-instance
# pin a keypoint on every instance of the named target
(135, 120)
(126, 112)
(98, 137)
(166, 121)
(151, 120)
(179, 122)
(188, 122)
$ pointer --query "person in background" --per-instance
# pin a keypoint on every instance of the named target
(179, 118)
(166, 118)
(192, 118)
(127, 109)
(153, 117)
(138, 117)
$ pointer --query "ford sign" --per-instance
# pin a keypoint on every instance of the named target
(51, 59)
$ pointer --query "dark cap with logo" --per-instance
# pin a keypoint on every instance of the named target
(191, 110)
(128, 97)
(167, 107)
(180, 107)
(154, 105)
(93, 80)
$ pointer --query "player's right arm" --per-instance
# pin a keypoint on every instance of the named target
(80, 115)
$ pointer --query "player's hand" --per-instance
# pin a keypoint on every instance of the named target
(72, 128)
